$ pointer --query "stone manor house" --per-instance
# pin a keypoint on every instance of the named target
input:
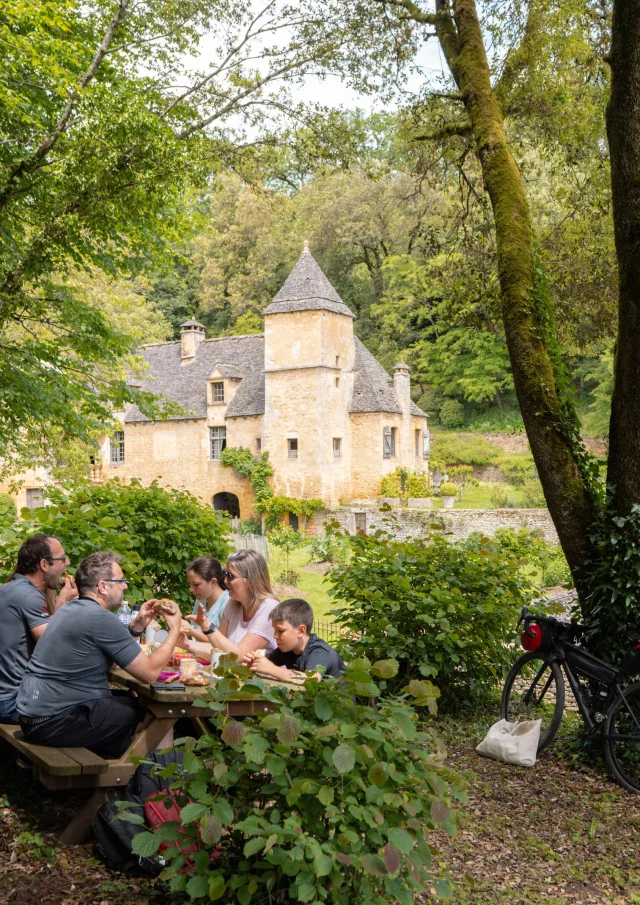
(307, 391)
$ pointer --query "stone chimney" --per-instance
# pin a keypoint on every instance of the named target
(191, 335)
(402, 387)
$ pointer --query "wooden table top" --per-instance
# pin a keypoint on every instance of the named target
(188, 696)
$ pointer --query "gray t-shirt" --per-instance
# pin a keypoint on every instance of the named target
(70, 663)
(21, 605)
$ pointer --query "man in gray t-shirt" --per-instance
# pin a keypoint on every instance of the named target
(23, 615)
(64, 698)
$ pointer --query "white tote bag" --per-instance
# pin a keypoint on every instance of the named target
(513, 743)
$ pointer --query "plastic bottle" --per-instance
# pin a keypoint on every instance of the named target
(124, 613)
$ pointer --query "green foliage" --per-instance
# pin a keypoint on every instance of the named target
(287, 540)
(517, 468)
(8, 511)
(404, 484)
(451, 413)
(530, 549)
(330, 547)
(503, 497)
(250, 526)
(257, 470)
(156, 531)
(610, 611)
(533, 495)
(448, 488)
(276, 506)
(441, 610)
(324, 799)
(462, 449)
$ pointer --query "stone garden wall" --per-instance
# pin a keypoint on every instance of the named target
(415, 522)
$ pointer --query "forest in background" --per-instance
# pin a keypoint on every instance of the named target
(406, 236)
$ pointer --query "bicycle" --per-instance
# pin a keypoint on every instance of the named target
(535, 689)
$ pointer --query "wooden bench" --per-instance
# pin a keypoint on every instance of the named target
(66, 768)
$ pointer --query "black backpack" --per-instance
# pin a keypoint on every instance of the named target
(115, 835)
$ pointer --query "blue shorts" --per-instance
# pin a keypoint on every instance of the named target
(8, 712)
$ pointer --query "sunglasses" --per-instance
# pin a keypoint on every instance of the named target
(228, 576)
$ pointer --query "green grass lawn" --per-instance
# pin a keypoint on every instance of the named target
(313, 586)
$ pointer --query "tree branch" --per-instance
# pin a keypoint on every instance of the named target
(464, 129)
(22, 167)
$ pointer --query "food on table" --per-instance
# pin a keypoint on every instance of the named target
(195, 680)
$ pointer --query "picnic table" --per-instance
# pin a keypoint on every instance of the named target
(79, 768)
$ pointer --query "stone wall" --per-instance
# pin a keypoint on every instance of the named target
(459, 523)
(518, 443)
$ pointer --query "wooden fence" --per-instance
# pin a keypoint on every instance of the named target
(251, 542)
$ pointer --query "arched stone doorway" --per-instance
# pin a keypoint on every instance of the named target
(227, 502)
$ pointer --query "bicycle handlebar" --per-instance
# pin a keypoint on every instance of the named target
(526, 617)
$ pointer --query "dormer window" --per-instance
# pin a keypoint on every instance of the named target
(217, 391)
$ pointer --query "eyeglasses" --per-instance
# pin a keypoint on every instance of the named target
(116, 580)
(64, 558)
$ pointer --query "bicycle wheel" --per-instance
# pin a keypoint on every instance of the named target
(534, 690)
(623, 755)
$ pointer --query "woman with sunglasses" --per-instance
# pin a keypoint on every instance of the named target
(245, 625)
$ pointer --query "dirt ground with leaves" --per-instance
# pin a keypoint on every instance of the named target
(561, 833)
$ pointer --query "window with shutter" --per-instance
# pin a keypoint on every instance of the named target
(426, 444)
(117, 448)
(389, 442)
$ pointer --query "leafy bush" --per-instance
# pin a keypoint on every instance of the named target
(287, 540)
(431, 402)
(517, 469)
(448, 488)
(325, 799)
(441, 610)
(451, 413)
(611, 611)
(533, 495)
(453, 449)
(330, 547)
(8, 511)
(531, 549)
(157, 531)
(250, 526)
(404, 483)
(460, 473)
(502, 498)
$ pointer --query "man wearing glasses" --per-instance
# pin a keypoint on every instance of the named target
(64, 699)
(41, 564)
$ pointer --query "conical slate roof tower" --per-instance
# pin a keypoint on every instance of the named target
(307, 289)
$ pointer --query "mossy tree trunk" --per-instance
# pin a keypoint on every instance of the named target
(552, 443)
(623, 131)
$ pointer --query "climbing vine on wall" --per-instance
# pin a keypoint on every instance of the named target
(259, 471)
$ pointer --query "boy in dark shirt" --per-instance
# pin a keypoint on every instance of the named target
(298, 649)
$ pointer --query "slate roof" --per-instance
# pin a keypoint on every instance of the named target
(187, 384)
(307, 289)
(242, 357)
(372, 386)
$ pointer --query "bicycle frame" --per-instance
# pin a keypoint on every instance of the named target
(592, 725)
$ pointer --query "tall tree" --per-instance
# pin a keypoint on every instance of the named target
(102, 136)
(480, 100)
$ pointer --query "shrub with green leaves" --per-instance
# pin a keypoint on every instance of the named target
(517, 468)
(462, 449)
(530, 549)
(330, 547)
(324, 799)
(503, 497)
(443, 611)
(451, 413)
(404, 483)
(448, 488)
(533, 494)
(8, 511)
(156, 531)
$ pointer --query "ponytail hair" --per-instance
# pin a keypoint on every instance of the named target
(208, 568)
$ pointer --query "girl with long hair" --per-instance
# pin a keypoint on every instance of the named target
(245, 625)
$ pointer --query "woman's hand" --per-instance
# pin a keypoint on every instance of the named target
(201, 619)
